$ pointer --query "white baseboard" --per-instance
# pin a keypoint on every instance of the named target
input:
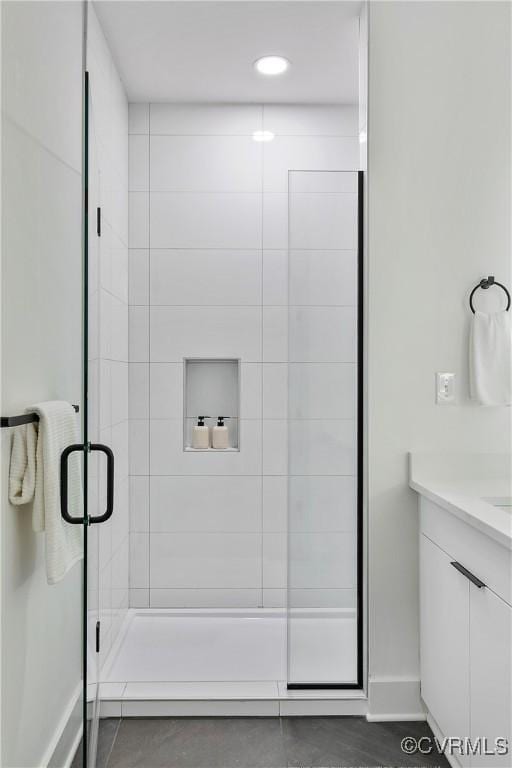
(394, 698)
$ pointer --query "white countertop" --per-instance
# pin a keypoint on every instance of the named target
(462, 483)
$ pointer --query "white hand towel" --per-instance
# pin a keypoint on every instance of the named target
(490, 356)
(22, 471)
(43, 444)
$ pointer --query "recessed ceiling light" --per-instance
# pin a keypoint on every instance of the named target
(272, 65)
(263, 136)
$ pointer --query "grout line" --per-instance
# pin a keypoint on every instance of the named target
(245, 306)
(262, 343)
(250, 136)
(242, 249)
(149, 355)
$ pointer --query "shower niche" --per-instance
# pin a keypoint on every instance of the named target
(211, 388)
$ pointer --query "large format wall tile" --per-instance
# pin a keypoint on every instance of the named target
(205, 119)
(204, 220)
(316, 153)
(310, 120)
(139, 163)
(206, 598)
(321, 560)
(166, 390)
(275, 391)
(139, 390)
(323, 220)
(139, 334)
(138, 229)
(322, 390)
(275, 277)
(208, 277)
(139, 560)
(322, 503)
(205, 504)
(179, 332)
(275, 334)
(274, 508)
(327, 278)
(139, 276)
(275, 221)
(193, 560)
(274, 560)
(205, 164)
(322, 334)
(322, 447)
(138, 118)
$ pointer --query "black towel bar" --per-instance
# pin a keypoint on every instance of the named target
(485, 284)
(24, 418)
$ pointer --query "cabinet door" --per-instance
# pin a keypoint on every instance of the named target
(444, 641)
(491, 672)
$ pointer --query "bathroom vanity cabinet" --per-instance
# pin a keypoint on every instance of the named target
(465, 632)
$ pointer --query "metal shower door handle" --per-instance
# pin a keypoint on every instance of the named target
(64, 483)
(110, 482)
(66, 453)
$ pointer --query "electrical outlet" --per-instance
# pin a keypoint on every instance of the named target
(445, 389)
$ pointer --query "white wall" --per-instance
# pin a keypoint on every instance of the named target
(439, 218)
(41, 353)
(108, 337)
(208, 277)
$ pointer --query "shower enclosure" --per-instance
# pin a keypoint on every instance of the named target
(325, 379)
(169, 658)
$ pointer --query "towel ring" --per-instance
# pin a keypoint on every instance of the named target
(485, 284)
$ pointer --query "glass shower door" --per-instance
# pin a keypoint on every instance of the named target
(324, 430)
(98, 456)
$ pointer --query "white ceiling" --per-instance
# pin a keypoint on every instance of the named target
(192, 50)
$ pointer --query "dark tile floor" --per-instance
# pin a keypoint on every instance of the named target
(329, 742)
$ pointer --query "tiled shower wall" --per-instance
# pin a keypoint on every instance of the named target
(108, 333)
(208, 236)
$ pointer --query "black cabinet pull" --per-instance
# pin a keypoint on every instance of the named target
(472, 578)
(64, 484)
(110, 482)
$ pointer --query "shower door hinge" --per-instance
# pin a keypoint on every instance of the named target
(98, 221)
(98, 624)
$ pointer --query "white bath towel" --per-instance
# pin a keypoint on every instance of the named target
(34, 475)
(490, 357)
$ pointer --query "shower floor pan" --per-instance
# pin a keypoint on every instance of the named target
(228, 663)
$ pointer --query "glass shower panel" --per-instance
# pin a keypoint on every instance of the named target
(323, 428)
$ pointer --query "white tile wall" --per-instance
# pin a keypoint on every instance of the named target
(205, 164)
(194, 560)
(322, 390)
(206, 504)
(206, 119)
(322, 447)
(209, 278)
(322, 334)
(291, 153)
(178, 332)
(200, 220)
(323, 277)
(205, 277)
